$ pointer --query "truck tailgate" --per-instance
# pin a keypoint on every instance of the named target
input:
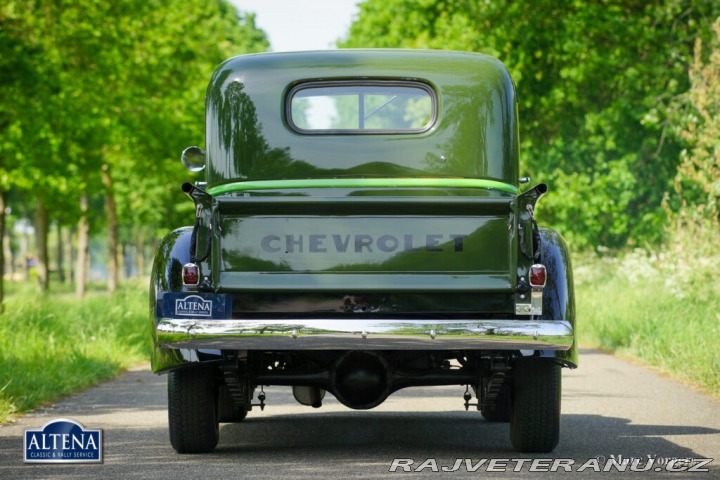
(369, 244)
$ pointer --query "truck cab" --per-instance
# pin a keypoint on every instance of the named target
(361, 228)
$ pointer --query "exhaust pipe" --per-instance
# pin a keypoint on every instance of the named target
(360, 380)
(310, 396)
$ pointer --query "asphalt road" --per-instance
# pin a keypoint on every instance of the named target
(611, 408)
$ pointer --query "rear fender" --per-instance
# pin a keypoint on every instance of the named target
(172, 253)
(559, 293)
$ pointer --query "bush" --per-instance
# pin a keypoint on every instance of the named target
(661, 308)
(55, 344)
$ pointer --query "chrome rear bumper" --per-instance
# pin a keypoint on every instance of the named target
(387, 334)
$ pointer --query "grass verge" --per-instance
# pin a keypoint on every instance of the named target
(56, 344)
(655, 309)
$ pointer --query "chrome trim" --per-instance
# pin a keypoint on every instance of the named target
(536, 301)
(385, 334)
(523, 309)
(534, 308)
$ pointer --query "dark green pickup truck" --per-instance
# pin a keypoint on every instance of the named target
(361, 229)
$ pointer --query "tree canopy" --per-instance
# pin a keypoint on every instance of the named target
(598, 84)
(98, 99)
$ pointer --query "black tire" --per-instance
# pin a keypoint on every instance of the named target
(535, 420)
(228, 411)
(501, 410)
(192, 410)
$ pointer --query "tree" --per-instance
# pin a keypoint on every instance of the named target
(698, 179)
(596, 82)
(97, 99)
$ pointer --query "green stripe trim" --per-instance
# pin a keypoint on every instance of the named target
(363, 183)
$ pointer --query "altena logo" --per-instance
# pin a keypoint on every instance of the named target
(193, 305)
(63, 441)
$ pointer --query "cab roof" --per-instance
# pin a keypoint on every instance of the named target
(250, 134)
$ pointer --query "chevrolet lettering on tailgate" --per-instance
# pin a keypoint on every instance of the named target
(360, 243)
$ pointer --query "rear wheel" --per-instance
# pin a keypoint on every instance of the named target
(535, 420)
(192, 410)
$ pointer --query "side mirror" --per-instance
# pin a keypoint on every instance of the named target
(193, 159)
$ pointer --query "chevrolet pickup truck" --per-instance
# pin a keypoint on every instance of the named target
(361, 227)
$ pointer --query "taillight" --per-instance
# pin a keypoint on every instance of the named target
(191, 275)
(538, 276)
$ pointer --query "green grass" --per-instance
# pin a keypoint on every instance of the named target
(56, 344)
(655, 309)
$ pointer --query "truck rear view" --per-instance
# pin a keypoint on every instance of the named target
(361, 229)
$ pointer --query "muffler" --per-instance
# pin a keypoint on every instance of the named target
(361, 380)
(310, 396)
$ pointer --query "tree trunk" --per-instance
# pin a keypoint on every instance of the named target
(140, 254)
(3, 202)
(122, 251)
(60, 253)
(69, 254)
(111, 209)
(83, 249)
(8, 251)
(25, 251)
(41, 239)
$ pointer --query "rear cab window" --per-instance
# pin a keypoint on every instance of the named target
(361, 107)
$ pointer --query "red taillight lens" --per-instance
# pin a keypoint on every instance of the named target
(191, 274)
(538, 275)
